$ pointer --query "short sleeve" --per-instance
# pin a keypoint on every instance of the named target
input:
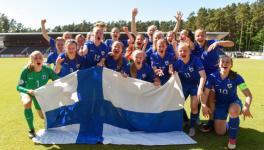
(198, 64)
(52, 43)
(239, 80)
(52, 74)
(209, 82)
(176, 65)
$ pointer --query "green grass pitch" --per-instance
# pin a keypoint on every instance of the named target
(13, 129)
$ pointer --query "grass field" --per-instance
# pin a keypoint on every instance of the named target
(13, 129)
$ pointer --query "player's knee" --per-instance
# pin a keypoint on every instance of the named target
(194, 109)
(27, 105)
(234, 110)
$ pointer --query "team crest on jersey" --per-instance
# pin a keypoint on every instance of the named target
(166, 63)
(71, 69)
(21, 82)
(77, 65)
(44, 77)
(191, 69)
(229, 85)
(103, 52)
(144, 75)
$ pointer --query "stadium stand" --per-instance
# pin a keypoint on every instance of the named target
(22, 44)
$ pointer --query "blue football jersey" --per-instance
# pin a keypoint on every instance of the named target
(225, 89)
(189, 73)
(112, 64)
(163, 64)
(145, 73)
(95, 53)
(68, 66)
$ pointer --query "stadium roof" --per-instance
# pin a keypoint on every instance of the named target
(210, 35)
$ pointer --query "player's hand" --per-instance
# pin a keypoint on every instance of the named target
(59, 60)
(31, 92)
(100, 64)
(159, 72)
(212, 46)
(125, 29)
(246, 112)
(43, 21)
(174, 44)
(111, 54)
(200, 93)
(124, 75)
(134, 12)
(206, 111)
(178, 16)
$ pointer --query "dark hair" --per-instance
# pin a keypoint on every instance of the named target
(232, 74)
(71, 41)
(190, 35)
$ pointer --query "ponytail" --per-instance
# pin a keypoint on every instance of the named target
(133, 70)
(232, 75)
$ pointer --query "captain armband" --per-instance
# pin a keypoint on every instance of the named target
(242, 86)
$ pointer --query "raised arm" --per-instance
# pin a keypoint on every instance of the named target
(130, 37)
(133, 21)
(225, 43)
(44, 31)
(221, 43)
(58, 66)
(178, 18)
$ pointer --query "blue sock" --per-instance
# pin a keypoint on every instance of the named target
(193, 119)
(210, 123)
(233, 127)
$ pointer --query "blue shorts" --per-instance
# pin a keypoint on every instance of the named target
(221, 111)
(189, 90)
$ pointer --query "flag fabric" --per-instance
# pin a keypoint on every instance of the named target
(98, 105)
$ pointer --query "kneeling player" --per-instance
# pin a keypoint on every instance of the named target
(225, 83)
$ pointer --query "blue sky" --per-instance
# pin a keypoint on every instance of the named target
(61, 12)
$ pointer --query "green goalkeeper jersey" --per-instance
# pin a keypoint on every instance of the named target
(33, 80)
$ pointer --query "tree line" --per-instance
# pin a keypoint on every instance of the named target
(244, 22)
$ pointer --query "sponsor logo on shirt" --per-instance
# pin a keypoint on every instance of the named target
(21, 82)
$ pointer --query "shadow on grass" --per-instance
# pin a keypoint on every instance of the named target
(247, 139)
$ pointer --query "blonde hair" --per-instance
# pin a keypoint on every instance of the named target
(65, 33)
(120, 59)
(79, 36)
(133, 69)
(152, 26)
(156, 33)
(101, 25)
(200, 31)
(115, 28)
(59, 38)
(32, 56)
(183, 44)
